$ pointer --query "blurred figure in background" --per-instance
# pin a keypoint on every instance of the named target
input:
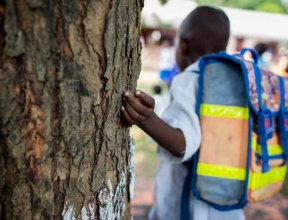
(174, 72)
(167, 60)
(283, 66)
(261, 48)
(142, 40)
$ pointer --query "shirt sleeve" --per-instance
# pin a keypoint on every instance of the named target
(181, 114)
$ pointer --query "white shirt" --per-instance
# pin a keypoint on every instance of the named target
(171, 174)
(162, 101)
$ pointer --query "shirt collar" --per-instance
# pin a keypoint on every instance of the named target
(194, 67)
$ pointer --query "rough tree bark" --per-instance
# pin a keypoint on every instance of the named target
(65, 152)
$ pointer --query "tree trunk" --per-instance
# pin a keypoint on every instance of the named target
(65, 151)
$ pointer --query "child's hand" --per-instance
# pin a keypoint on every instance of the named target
(139, 108)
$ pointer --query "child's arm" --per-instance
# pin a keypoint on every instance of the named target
(139, 110)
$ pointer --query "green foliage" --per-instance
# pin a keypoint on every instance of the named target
(247, 4)
(163, 1)
(274, 6)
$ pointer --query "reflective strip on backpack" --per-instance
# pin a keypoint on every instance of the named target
(273, 149)
(260, 180)
(224, 111)
(226, 172)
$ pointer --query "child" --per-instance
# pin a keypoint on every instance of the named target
(204, 31)
(261, 48)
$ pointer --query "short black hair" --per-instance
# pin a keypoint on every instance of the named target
(207, 29)
(157, 90)
(261, 48)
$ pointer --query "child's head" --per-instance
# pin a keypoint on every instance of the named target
(157, 90)
(261, 48)
(205, 30)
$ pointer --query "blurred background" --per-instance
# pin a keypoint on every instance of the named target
(259, 24)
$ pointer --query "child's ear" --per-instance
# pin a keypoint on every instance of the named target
(184, 46)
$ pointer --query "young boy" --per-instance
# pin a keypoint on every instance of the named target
(205, 30)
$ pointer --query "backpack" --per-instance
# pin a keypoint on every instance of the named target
(243, 113)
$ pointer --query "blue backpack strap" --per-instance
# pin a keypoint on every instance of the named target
(264, 121)
(252, 51)
(264, 115)
(185, 197)
(283, 120)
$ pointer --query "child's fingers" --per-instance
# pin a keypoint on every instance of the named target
(135, 116)
(149, 101)
(126, 116)
(137, 105)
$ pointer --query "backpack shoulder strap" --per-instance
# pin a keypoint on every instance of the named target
(283, 120)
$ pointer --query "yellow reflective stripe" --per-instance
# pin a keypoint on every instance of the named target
(260, 180)
(224, 111)
(254, 144)
(225, 172)
(273, 149)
